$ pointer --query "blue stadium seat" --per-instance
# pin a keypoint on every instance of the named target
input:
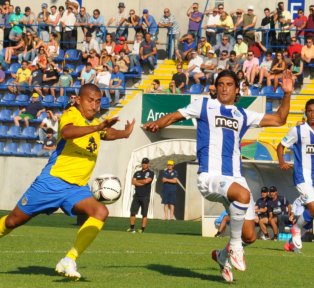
(36, 148)
(16, 113)
(105, 103)
(254, 91)
(60, 57)
(2, 144)
(269, 107)
(135, 72)
(78, 70)
(62, 101)
(25, 149)
(29, 133)
(72, 55)
(279, 92)
(196, 89)
(7, 99)
(206, 89)
(5, 115)
(14, 132)
(13, 68)
(268, 91)
(22, 100)
(39, 119)
(4, 86)
(49, 101)
(70, 67)
(11, 148)
(4, 131)
(74, 89)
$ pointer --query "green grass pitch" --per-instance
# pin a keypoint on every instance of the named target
(170, 254)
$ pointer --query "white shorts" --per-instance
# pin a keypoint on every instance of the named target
(215, 187)
(306, 191)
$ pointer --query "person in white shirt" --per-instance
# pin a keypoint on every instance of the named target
(51, 121)
(102, 80)
(135, 52)
(212, 21)
(194, 67)
(119, 21)
(54, 21)
(68, 21)
(88, 44)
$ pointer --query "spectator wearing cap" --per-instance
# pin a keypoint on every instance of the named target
(268, 28)
(148, 52)
(142, 180)
(121, 45)
(119, 21)
(261, 212)
(89, 44)
(209, 66)
(14, 20)
(195, 19)
(54, 22)
(284, 19)
(185, 47)
(240, 48)
(42, 20)
(82, 19)
(30, 112)
(65, 80)
(28, 20)
(233, 63)
(173, 29)
(278, 209)
(21, 79)
(203, 47)
(194, 67)
(149, 24)
(97, 24)
(249, 22)
(310, 23)
(180, 78)
(169, 180)
(212, 22)
(299, 24)
(67, 22)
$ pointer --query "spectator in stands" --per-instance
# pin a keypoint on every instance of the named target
(50, 78)
(277, 68)
(54, 22)
(222, 60)
(2, 74)
(49, 122)
(65, 80)
(279, 210)
(268, 29)
(119, 21)
(71, 101)
(212, 22)
(194, 67)
(38, 43)
(284, 19)
(117, 82)
(264, 69)
(258, 48)
(93, 58)
(123, 61)
(21, 79)
(135, 52)
(172, 89)
(155, 87)
(310, 23)
(251, 67)
(307, 52)
(134, 21)
(240, 48)
(294, 46)
(148, 52)
(122, 45)
(188, 45)
(89, 44)
(16, 28)
(203, 47)
(261, 208)
(149, 25)
(209, 66)
(67, 22)
(61, 10)
(237, 18)
(109, 44)
(102, 80)
(52, 46)
(299, 24)
(222, 221)
(233, 63)
(169, 21)
(43, 19)
(82, 20)
(36, 79)
(245, 90)
(29, 51)
(97, 25)
(49, 144)
(180, 78)
(297, 68)
(88, 74)
(241, 78)
(30, 112)
(41, 58)
(195, 19)
(7, 26)
(106, 60)
(15, 50)
(223, 45)
(249, 22)
(28, 20)
(225, 29)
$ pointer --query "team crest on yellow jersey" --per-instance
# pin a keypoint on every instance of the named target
(92, 146)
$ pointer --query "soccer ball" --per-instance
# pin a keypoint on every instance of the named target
(106, 188)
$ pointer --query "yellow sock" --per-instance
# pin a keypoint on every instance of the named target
(3, 229)
(85, 236)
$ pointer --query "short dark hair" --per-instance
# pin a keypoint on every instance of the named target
(266, 9)
(24, 61)
(156, 81)
(53, 6)
(227, 73)
(308, 103)
(233, 53)
(49, 131)
(87, 88)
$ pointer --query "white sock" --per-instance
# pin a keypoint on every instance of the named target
(300, 223)
(237, 215)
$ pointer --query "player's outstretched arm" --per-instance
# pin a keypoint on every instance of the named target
(114, 134)
(282, 164)
(163, 122)
(71, 131)
(280, 117)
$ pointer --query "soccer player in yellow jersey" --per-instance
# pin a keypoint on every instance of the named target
(63, 181)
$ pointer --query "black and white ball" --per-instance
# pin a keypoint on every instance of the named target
(106, 188)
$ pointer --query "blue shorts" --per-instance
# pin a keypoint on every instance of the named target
(169, 197)
(48, 193)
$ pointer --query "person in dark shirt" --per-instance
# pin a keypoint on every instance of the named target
(50, 144)
(50, 78)
(279, 209)
(180, 78)
(36, 79)
(142, 180)
(261, 212)
(268, 25)
(32, 111)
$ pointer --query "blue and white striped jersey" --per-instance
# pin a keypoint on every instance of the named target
(219, 132)
(301, 140)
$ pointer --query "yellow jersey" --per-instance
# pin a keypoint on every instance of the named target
(74, 159)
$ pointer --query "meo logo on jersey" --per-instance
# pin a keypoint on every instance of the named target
(309, 149)
(225, 122)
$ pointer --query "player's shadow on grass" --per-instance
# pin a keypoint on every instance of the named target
(183, 272)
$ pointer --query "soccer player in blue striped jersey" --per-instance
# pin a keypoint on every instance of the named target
(301, 140)
(220, 127)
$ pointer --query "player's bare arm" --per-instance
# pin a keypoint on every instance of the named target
(282, 164)
(280, 117)
(114, 134)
